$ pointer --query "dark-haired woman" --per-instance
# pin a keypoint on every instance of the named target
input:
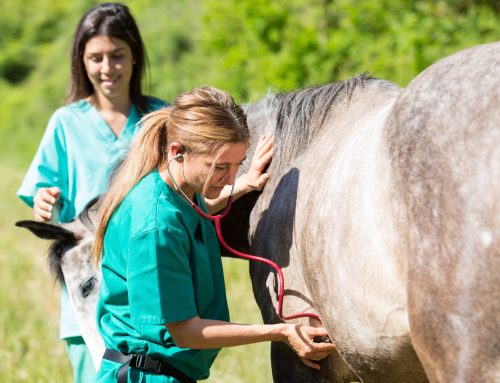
(88, 136)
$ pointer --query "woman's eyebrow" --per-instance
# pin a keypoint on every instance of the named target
(229, 163)
(90, 53)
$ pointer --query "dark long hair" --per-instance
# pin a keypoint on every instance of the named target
(113, 20)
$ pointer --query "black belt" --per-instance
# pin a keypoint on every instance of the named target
(145, 363)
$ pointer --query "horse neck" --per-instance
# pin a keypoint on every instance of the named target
(261, 118)
(298, 118)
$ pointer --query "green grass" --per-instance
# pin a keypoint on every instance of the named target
(246, 363)
(30, 349)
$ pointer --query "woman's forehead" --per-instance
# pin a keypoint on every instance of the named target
(104, 43)
(234, 153)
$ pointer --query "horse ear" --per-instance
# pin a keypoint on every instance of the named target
(46, 230)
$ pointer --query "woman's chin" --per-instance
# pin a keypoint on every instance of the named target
(213, 193)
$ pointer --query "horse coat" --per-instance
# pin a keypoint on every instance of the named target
(383, 210)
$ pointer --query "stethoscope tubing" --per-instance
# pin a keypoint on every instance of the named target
(217, 219)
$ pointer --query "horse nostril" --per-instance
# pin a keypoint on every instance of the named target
(87, 286)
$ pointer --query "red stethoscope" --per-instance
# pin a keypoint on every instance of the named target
(217, 219)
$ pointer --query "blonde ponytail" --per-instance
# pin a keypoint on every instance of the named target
(204, 120)
(146, 153)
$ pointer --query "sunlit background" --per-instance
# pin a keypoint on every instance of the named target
(248, 47)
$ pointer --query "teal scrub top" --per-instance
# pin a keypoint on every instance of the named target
(77, 153)
(161, 263)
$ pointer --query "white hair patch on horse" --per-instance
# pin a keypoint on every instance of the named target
(486, 238)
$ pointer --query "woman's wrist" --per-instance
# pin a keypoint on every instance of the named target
(279, 332)
(242, 186)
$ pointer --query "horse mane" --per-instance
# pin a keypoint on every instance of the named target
(309, 107)
(296, 117)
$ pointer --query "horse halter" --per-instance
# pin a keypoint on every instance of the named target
(217, 219)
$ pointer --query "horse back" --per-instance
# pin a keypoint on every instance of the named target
(445, 145)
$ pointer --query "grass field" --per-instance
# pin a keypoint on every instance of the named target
(30, 350)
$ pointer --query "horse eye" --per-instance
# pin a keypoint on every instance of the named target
(87, 286)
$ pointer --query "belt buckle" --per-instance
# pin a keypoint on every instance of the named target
(138, 361)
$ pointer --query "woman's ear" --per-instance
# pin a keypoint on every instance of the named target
(176, 150)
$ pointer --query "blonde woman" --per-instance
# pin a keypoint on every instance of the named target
(162, 310)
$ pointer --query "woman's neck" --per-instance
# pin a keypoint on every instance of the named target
(175, 173)
(115, 105)
(114, 111)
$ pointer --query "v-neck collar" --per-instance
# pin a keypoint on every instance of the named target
(102, 126)
(190, 215)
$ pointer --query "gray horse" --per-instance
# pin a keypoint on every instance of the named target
(383, 211)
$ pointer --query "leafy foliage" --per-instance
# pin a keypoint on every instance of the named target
(288, 44)
(244, 46)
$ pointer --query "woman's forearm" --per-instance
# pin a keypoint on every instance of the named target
(197, 333)
(200, 333)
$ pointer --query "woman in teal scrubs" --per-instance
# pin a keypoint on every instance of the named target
(162, 309)
(86, 138)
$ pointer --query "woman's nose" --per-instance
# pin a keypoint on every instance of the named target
(105, 65)
(231, 177)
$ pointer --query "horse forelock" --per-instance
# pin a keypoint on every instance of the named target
(56, 252)
(87, 216)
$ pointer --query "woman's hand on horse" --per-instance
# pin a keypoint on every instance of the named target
(301, 340)
(43, 203)
(256, 178)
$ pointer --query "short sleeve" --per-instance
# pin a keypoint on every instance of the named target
(159, 278)
(49, 166)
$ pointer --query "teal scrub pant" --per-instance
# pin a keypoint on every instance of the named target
(81, 360)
